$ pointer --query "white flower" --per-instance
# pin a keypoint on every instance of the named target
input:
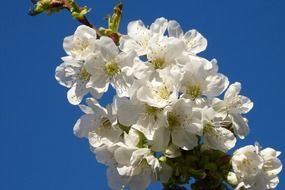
(105, 154)
(109, 131)
(160, 91)
(109, 66)
(139, 37)
(149, 120)
(200, 78)
(256, 169)
(105, 134)
(100, 125)
(167, 53)
(194, 41)
(235, 102)
(72, 74)
(184, 124)
(215, 136)
(134, 167)
(232, 107)
(94, 113)
(219, 138)
(81, 43)
(160, 139)
(272, 166)
(139, 165)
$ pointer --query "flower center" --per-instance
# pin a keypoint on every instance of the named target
(209, 129)
(84, 74)
(150, 110)
(173, 120)
(247, 162)
(193, 91)
(158, 63)
(82, 44)
(112, 68)
(163, 92)
(145, 42)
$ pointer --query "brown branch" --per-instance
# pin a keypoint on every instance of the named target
(51, 6)
(79, 13)
(83, 19)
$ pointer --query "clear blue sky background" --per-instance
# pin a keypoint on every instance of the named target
(38, 150)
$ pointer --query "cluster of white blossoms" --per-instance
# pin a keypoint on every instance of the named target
(168, 100)
(255, 169)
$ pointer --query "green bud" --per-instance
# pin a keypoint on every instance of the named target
(80, 14)
(40, 6)
(163, 159)
(115, 20)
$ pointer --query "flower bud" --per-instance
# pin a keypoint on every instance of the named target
(232, 178)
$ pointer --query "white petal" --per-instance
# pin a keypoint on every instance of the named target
(86, 31)
(174, 29)
(272, 168)
(121, 85)
(240, 125)
(68, 44)
(85, 109)
(233, 91)
(127, 170)
(95, 64)
(115, 180)
(269, 153)
(159, 26)
(84, 125)
(107, 47)
(216, 84)
(195, 41)
(273, 183)
(141, 181)
(220, 108)
(123, 155)
(246, 104)
(219, 138)
(128, 113)
(161, 139)
(135, 28)
(104, 135)
(76, 92)
(64, 74)
(104, 155)
(81, 42)
(96, 107)
(128, 44)
(184, 139)
(174, 49)
(132, 138)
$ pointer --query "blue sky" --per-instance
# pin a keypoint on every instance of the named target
(38, 148)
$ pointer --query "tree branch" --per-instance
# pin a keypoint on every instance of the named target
(53, 6)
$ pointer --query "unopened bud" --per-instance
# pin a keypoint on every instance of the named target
(232, 178)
